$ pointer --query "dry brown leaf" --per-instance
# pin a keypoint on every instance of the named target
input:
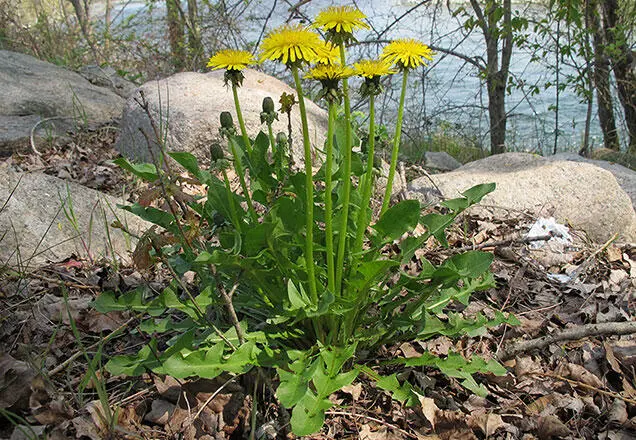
(160, 412)
(354, 390)
(86, 428)
(526, 365)
(611, 359)
(366, 433)
(429, 409)
(488, 423)
(543, 402)
(579, 374)
(618, 412)
(614, 254)
(409, 351)
(15, 378)
(550, 427)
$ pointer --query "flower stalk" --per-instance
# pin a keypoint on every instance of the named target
(331, 276)
(346, 190)
(364, 216)
(239, 116)
(309, 190)
(396, 145)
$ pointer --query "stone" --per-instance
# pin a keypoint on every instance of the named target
(32, 88)
(581, 194)
(190, 107)
(625, 177)
(34, 228)
(441, 160)
(107, 77)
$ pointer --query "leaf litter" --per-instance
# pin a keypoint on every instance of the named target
(582, 388)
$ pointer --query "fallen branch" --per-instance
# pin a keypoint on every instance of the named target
(570, 334)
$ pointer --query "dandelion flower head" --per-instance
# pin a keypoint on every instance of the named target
(373, 68)
(340, 20)
(291, 44)
(231, 59)
(407, 53)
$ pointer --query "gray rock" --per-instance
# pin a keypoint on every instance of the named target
(190, 107)
(34, 228)
(31, 87)
(441, 160)
(15, 132)
(108, 77)
(581, 194)
(625, 177)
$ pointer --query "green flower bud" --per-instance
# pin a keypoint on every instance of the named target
(268, 105)
(226, 120)
(216, 151)
(281, 138)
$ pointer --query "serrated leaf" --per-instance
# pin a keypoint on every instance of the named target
(398, 219)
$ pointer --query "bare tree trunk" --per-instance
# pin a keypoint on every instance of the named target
(496, 75)
(194, 33)
(82, 13)
(622, 60)
(175, 34)
(602, 80)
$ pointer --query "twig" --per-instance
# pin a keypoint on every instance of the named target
(209, 399)
(586, 386)
(79, 353)
(373, 419)
(61, 282)
(570, 334)
(524, 240)
(227, 299)
(37, 124)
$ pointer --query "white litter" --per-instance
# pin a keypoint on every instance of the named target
(548, 226)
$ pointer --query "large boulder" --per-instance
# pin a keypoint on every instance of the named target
(35, 224)
(441, 160)
(189, 113)
(37, 92)
(625, 177)
(584, 195)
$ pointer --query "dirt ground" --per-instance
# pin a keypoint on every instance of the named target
(571, 363)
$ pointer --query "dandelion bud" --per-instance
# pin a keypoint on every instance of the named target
(226, 120)
(268, 105)
(281, 138)
(216, 152)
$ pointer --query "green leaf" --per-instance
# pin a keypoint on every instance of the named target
(308, 415)
(398, 219)
(187, 161)
(292, 388)
(471, 264)
(436, 225)
(402, 393)
(145, 171)
(478, 192)
(152, 215)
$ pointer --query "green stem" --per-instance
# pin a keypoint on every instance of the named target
(331, 277)
(272, 141)
(346, 190)
(309, 184)
(238, 166)
(239, 115)
(364, 216)
(230, 196)
(396, 146)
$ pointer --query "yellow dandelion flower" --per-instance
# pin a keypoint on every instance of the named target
(407, 53)
(290, 44)
(340, 20)
(329, 72)
(231, 59)
(373, 68)
(328, 54)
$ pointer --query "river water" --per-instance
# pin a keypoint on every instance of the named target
(448, 95)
